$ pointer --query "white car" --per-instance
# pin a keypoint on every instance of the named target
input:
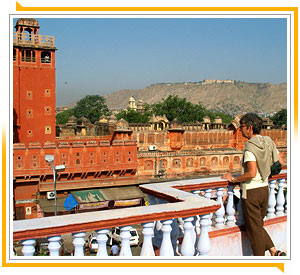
(114, 236)
(93, 244)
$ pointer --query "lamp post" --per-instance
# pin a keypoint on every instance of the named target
(57, 168)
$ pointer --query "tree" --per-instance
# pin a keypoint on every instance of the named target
(62, 118)
(91, 107)
(175, 107)
(280, 118)
(132, 116)
(226, 118)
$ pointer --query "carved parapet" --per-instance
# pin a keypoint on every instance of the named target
(130, 142)
(34, 145)
(49, 145)
(104, 143)
(19, 146)
(117, 143)
(91, 143)
(64, 144)
(77, 144)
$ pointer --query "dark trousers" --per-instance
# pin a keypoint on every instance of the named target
(255, 209)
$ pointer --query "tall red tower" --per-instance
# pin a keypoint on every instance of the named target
(33, 84)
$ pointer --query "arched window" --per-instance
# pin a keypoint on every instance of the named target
(45, 57)
(28, 56)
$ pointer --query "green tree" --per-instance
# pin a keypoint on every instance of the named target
(226, 118)
(132, 116)
(62, 118)
(91, 107)
(175, 107)
(280, 118)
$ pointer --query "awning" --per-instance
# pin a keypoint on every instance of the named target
(108, 194)
(70, 202)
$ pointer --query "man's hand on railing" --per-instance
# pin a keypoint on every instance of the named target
(230, 179)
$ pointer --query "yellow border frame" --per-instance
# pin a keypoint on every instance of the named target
(170, 264)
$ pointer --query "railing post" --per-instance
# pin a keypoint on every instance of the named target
(272, 200)
(221, 211)
(230, 207)
(54, 245)
(102, 239)
(280, 198)
(28, 247)
(188, 243)
(147, 248)
(166, 248)
(204, 242)
(125, 244)
(78, 243)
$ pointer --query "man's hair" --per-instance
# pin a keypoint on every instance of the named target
(254, 120)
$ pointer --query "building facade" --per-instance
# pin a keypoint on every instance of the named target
(33, 84)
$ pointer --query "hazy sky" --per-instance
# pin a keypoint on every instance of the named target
(100, 56)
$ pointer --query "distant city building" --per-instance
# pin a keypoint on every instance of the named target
(212, 81)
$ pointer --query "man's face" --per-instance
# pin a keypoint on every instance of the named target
(246, 131)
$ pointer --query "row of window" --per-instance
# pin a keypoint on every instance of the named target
(29, 94)
(47, 111)
(47, 131)
(64, 160)
(30, 56)
(177, 163)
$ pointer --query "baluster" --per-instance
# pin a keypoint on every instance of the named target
(204, 242)
(272, 199)
(28, 247)
(78, 243)
(147, 248)
(54, 245)
(221, 211)
(208, 196)
(280, 198)
(125, 243)
(230, 207)
(102, 239)
(166, 248)
(187, 246)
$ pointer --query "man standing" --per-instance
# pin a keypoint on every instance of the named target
(259, 154)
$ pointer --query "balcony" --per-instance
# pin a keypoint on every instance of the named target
(27, 39)
(196, 217)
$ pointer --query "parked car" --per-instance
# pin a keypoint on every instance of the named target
(115, 238)
(93, 244)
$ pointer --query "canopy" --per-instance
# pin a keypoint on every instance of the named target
(70, 202)
(108, 194)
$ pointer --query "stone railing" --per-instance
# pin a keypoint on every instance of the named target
(180, 220)
(33, 40)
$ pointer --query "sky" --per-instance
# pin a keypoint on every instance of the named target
(103, 55)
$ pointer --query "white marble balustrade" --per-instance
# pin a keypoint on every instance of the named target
(164, 234)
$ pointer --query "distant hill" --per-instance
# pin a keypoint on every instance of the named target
(232, 98)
